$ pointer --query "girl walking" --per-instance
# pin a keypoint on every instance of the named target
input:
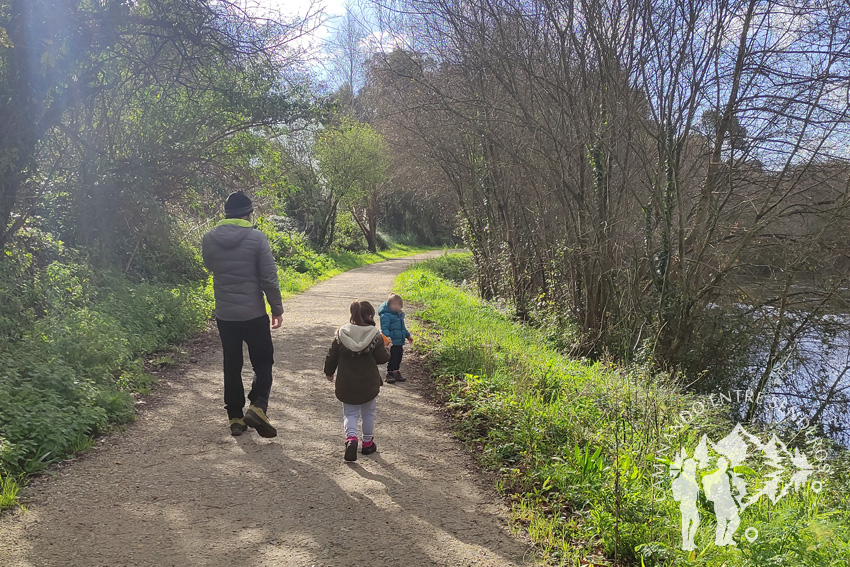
(357, 350)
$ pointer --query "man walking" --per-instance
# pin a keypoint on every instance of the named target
(243, 271)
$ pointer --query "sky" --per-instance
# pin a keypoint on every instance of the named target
(331, 8)
(317, 44)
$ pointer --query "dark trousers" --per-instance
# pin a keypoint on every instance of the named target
(257, 335)
(395, 358)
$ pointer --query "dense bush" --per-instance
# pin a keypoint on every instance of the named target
(456, 268)
(293, 250)
(70, 342)
(348, 234)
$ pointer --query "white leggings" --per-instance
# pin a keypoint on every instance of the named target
(353, 412)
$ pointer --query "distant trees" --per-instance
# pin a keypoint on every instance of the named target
(640, 170)
(421, 205)
(347, 51)
(353, 160)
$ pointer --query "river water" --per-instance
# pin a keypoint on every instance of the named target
(811, 374)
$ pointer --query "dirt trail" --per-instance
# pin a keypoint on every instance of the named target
(177, 489)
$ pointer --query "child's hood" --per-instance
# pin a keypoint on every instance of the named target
(357, 338)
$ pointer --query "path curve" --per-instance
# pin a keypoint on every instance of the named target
(176, 489)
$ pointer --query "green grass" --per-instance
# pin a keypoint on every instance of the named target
(8, 491)
(575, 444)
(293, 282)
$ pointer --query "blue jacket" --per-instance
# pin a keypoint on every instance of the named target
(392, 324)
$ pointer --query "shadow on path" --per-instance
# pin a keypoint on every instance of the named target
(176, 489)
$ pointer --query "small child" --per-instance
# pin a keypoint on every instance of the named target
(357, 350)
(392, 325)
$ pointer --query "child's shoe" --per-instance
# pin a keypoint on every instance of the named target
(391, 376)
(256, 418)
(237, 426)
(399, 377)
(350, 449)
(369, 448)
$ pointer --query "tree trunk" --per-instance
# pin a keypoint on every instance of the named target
(19, 116)
(366, 229)
(329, 226)
(372, 237)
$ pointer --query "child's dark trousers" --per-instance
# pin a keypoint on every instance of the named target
(395, 358)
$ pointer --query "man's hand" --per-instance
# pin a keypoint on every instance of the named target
(330, 378)
(277, 321)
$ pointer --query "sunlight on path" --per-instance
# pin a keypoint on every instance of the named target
(176, 489)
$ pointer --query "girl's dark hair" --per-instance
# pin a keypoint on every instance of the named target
(362, 313)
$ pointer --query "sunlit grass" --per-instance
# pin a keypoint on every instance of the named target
(292, 282)
(9, 488)
(574, 444)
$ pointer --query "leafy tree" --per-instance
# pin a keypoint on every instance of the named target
(93, 94)
(353, 159)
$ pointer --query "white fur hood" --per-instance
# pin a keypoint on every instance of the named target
(357, 338)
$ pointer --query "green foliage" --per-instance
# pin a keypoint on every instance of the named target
(8, 491)
(70, 346)
(130, 114)
(293, 251)
(353, 158)
(348, 235)
(576, 444)
(456, 268)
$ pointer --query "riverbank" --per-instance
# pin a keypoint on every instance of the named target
(581, 449)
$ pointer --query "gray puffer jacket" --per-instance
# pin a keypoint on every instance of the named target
(243, 269)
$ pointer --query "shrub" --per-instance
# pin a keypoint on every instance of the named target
(292, 250)
(348, 235)
(70, 342)
(456, 268)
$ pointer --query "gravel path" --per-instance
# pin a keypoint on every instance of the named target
(176, 489)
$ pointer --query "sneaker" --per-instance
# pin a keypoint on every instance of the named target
(256, 418)
(237, 426)
(399, 377)
(391, 377)
(350, 449)
(370, 448)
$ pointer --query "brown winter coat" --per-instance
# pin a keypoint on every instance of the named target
(354, 355)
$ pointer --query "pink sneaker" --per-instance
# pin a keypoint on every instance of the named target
(369, 448)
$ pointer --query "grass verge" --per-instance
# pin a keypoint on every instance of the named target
(293, 282)
(8, 491)
(581, 449)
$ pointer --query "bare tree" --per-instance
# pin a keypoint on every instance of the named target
(643, 169)
(347, 52)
